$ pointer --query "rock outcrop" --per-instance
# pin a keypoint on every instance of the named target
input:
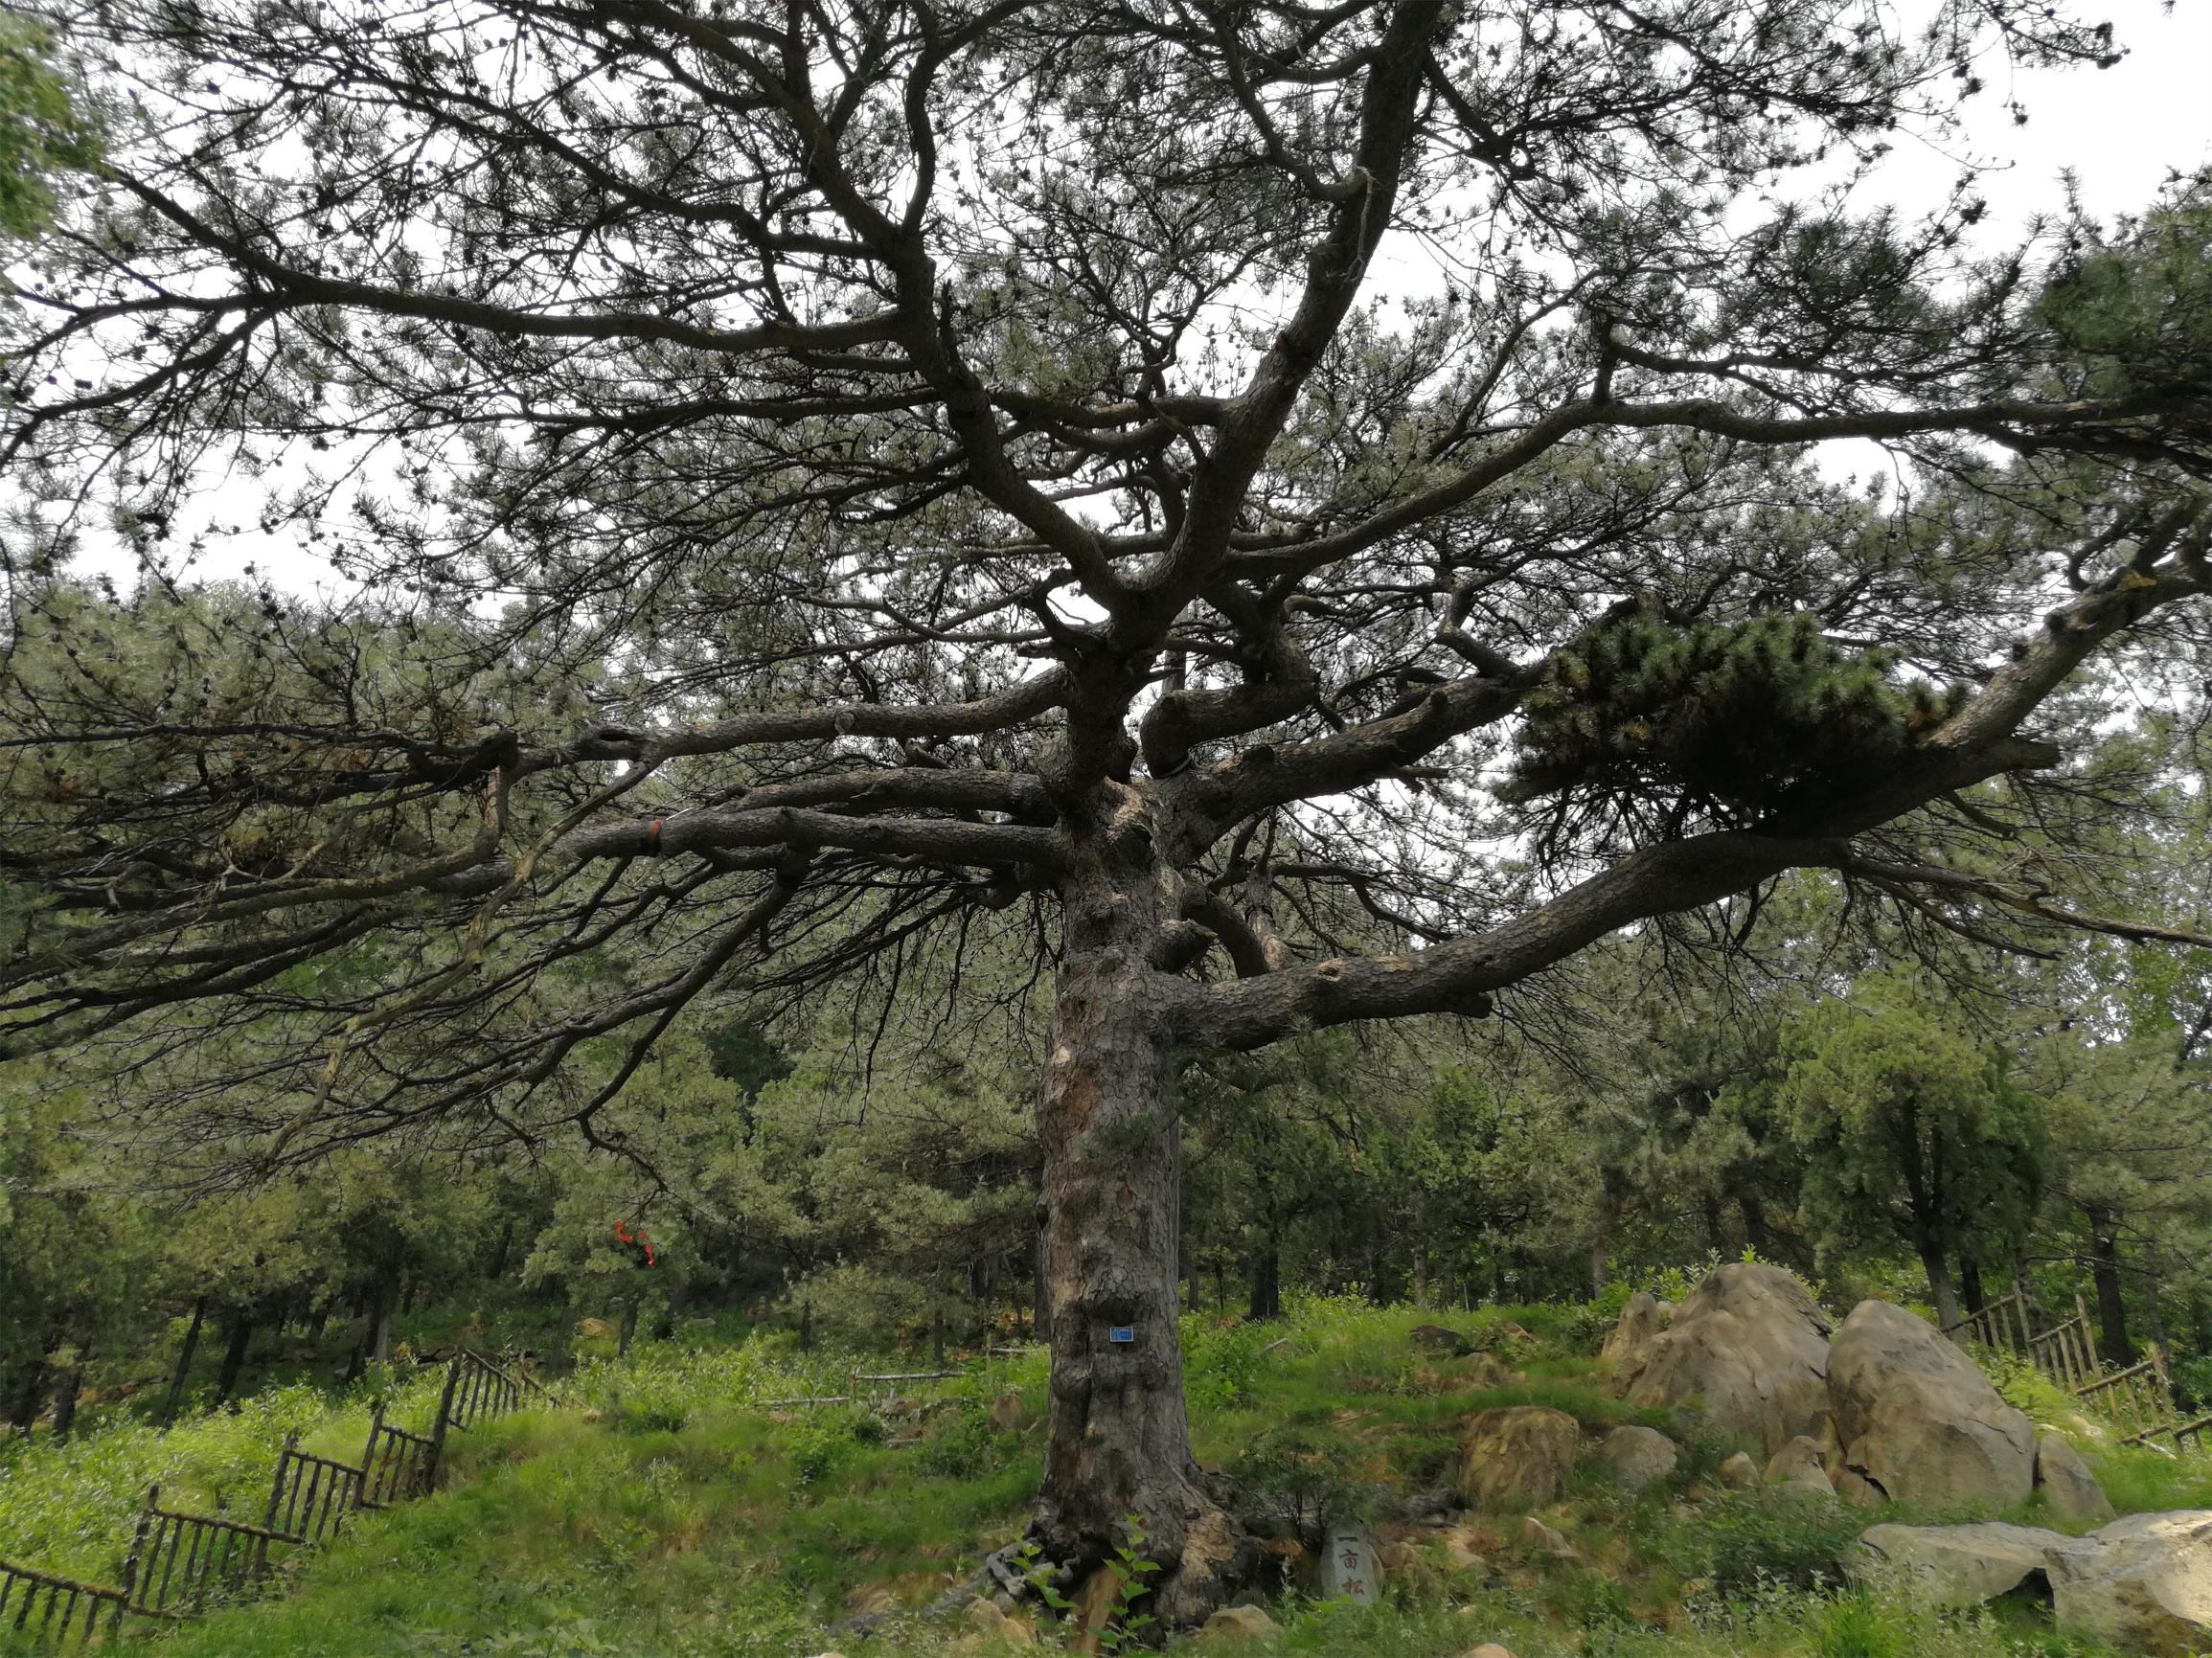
(1954, 1565)
(1739, 1472)
(2070, 1491)
(1796, 1467)
(2142, 1583)
(1519, 1456)
(1637, 1457)
(1639, 1324)
(1749, 1347)
(1918, 1420)
(1239, 1623)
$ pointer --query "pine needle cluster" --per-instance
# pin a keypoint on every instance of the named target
(1644, 717)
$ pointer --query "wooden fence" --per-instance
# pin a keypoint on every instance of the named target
(181, 1564)
(2139, 1396)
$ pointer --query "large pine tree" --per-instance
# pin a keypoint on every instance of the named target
(815, 484)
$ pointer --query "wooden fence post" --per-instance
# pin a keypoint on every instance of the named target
(438, 1428)
(130, 1560)
(365, 1493)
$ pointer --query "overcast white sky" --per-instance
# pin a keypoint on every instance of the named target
(2120, 132)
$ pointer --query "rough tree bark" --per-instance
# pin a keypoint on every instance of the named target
(183, 1361)
(1119, 1442)
(1936, 1265)
(241, 1334)
(2104, 1272)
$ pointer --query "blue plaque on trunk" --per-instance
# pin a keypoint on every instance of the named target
(1121, 1335)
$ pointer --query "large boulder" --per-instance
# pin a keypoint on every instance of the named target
(1636, 1457)
(1639, 1324)
(1750, 1347)
(1918, 1420)
(1953, 1566)
(1796, 1467)
(2070, 1491)
(2142, 1583)
(1517, 1456)
(1239, 1623)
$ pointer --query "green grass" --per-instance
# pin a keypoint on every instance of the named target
(670, 1515)
(70, 1506)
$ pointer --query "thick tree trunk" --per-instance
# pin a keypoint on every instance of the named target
(242, 1332)
(1119, 1442)
(1758, 1236)
(1933, 1261)
(377, 1342)
(1267, 1298)
(30, 1397)
(2104, 1272)
(183, 1362)
(65, 1391)
(1970, 1287)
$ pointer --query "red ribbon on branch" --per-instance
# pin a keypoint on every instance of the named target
(636, 1239)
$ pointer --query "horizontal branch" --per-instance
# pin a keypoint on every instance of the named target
(1977, 742)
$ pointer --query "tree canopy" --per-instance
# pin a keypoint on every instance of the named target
(1279, 516)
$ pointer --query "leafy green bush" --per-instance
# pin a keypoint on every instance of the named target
(1296, 1471)
(657, 1417)
(1854, 1626)
(1742, 1542)
(960, 1444)
(827, 1440)
(1223, 1363)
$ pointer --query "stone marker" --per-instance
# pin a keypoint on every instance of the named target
(1350, 1570)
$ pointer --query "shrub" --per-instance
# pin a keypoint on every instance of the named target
(1854, 1626)
(960, 1445)
(822, 1444)
(1765, 1537)
(655, 1416)
(1223, 1363)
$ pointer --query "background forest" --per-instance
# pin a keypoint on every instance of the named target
(1882, 1110)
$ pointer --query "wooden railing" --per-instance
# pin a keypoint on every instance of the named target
(188, 1562)
(2006, 1322)
(312, 1495)
(180, 1564)
(2190, 1434)
(2067, 1352)
(2139, 1396)
(396, 1465)
(71, 1611)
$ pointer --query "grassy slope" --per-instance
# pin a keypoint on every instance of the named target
(687, 1521)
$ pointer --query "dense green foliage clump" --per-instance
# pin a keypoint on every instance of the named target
(2137, 317)
(42, 131)
(1734, 719)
